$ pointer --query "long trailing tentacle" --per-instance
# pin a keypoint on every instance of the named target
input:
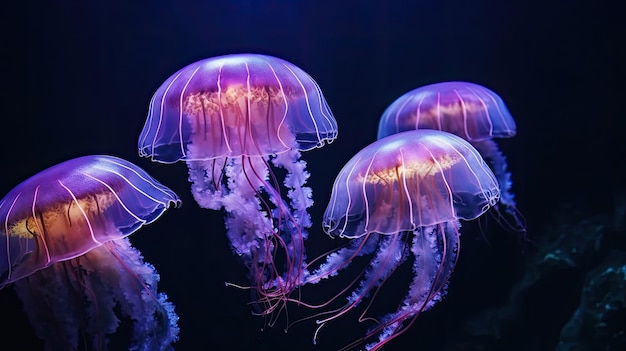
(435, 250)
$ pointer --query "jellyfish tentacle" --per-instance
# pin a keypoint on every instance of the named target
(341, 258)
(279, 216)
(249, 218)
(390, 254)
(492, 154)
(334, 261)
(155, 322)
(258, 223)
(56, 326)
(290, 223)
(301, 199)
(247, 225)
(118, 273)
(439, 244)
(206, 190)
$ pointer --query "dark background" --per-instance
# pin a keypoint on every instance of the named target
(78, 77)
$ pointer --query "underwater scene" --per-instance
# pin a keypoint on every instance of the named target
(313, 175)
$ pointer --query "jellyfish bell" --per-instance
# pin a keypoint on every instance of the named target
(46, 217)
(234, 120)
(402, 198)
(236, 105)
(466, 109)
(64, 248)
(409, 181)
(471, 111)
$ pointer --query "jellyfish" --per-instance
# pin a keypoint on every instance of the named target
(470, 111)
(235, 120)
(401, 199)
(64, 247)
